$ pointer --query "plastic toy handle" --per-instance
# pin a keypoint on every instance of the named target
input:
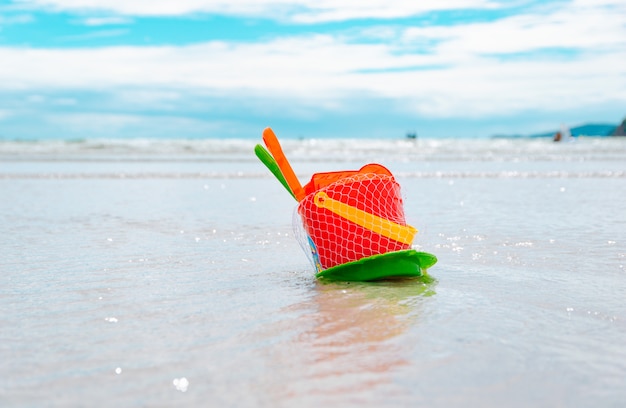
(271, 141)
(381, 226)
(271, 164)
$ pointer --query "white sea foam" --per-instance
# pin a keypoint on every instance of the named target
(213, 158)
(328, 149)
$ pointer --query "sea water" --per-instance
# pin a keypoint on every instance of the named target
(166, 273)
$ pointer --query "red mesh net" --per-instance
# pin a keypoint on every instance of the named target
(353, 217)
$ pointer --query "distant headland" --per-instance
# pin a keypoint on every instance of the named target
(588, 129)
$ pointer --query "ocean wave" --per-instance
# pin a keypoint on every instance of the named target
(319, 150)
(261, 175)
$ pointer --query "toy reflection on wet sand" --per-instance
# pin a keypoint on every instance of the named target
(347, 336)
(351, 224)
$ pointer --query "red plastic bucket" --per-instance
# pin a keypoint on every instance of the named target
(334, 239)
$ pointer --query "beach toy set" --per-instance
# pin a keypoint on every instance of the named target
(350, 224)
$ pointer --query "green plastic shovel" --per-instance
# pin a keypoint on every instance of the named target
(397, 264)
(267, 159)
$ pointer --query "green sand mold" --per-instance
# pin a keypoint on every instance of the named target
(397, 264)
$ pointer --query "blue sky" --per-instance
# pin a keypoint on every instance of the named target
(309, 68)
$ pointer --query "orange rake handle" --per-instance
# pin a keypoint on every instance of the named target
(271, 141)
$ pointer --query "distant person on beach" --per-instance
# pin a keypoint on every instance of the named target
(563, 135)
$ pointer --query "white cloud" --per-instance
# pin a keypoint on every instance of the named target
(324, 69)
(100, 21)
(35, 98)
(307, 11)
(579, 26)
(471, 78)
(331, 10)
(15, 19)
(4, 114)
(94, 35)
(95, 120)
(111, 124)
(65, 101)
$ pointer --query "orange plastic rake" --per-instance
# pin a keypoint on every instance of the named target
(271, 141)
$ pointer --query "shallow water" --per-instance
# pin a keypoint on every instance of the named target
(167, 273)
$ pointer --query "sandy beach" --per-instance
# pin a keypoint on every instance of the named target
(168, 275)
